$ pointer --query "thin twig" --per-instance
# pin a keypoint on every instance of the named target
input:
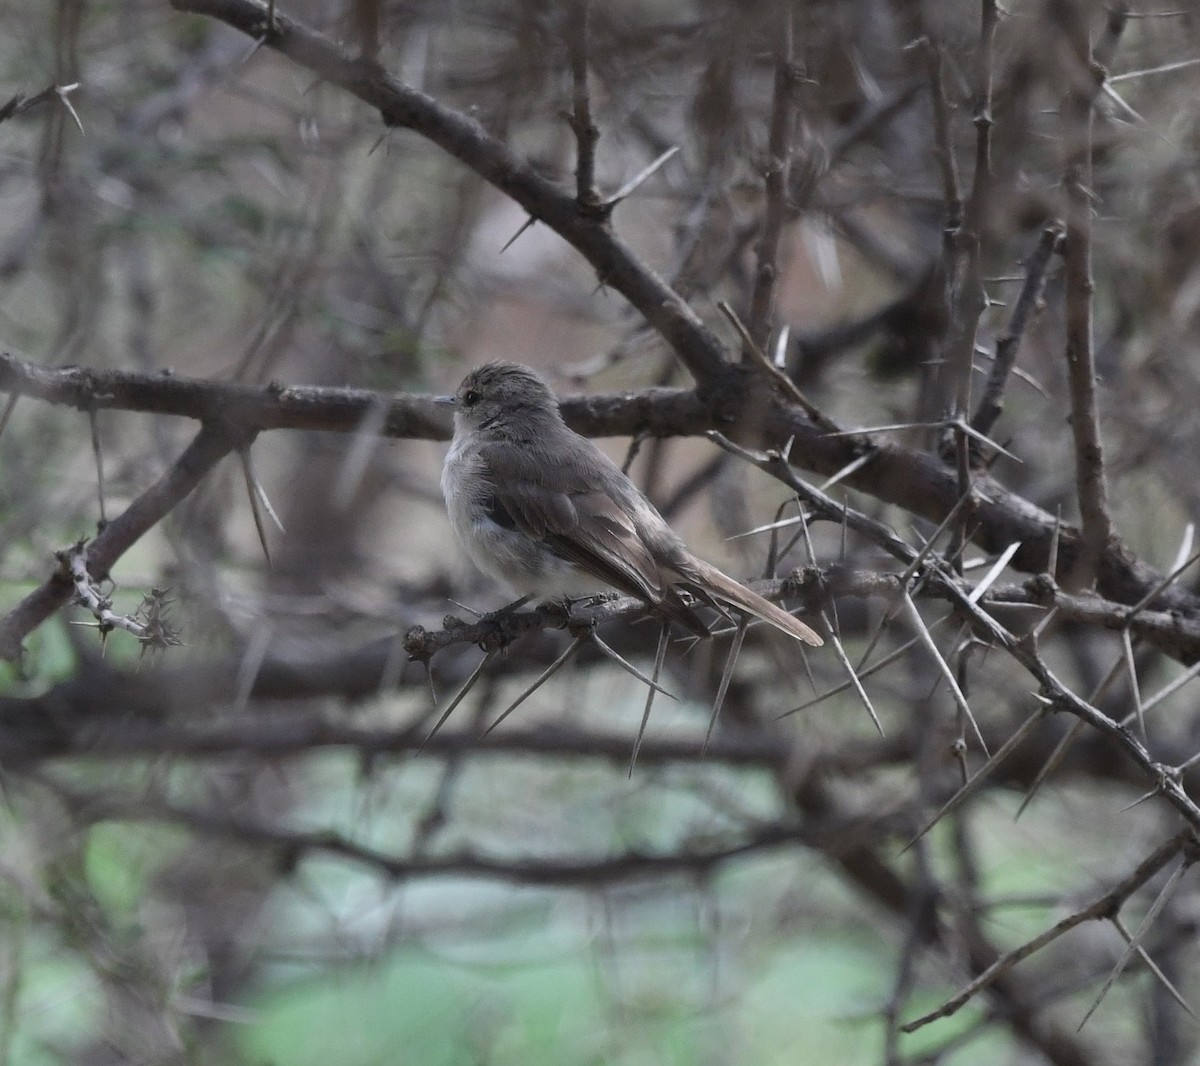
(641, 177)
(467, 140)
(1160, 901)
(991, 403)
(210, 445)
(1153, 966)
(1140, 706)
(258, 495)
(753, 350)
(296, 844)
(19, 103)
(777, 178)
(1085, 78)
(1099, 908)
(906, 579)
(586, 132)
(9, 406)
(863, 671)
(149, 623)
(629, 668)
(965, 246)
(1134, 687)
(838, 650)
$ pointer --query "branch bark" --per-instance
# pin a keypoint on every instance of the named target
(697, 347)
(211, 444)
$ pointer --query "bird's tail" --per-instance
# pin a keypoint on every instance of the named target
(710, 580)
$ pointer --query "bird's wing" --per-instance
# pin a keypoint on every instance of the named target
(574, 520)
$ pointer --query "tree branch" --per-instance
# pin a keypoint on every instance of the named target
(211, 444)
(915, 481)
(698, 348)
(1086, 78)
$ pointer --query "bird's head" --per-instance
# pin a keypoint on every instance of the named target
(496, 394)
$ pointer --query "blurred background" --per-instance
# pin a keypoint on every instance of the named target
(229, 851)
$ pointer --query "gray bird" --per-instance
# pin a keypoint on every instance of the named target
(549, 514)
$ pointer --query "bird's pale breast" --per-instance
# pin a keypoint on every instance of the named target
(525, 565)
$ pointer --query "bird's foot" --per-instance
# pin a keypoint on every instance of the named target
(594, 599)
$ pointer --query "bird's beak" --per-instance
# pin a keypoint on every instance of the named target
(445, 401)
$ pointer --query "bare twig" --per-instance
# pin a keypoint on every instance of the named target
(1100, 908)
(210, 445)
(629, 668)
(471, 143)
(1131, 947)
(991, 403)
(640, 178)
(9, 406)
(1131, 617)
(777, 180)
(981, 775)
(19, 103)
(149, 623)
(1085, 78)
(586, 132)
(956, 691)
(752, 349)
(969, 301)
(296, 844)
(853, 675)
(863, 671)
(1152, 966)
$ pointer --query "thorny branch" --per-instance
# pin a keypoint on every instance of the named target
(1085, 77)
(467, 140)
(987, 629)
(1105, 908)
(912, 480)
(1009, 342)
(149, 623)
(586, 132)
(210, 445)
(984, 614)
(776, 182)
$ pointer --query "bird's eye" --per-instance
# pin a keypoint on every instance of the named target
(470, 397)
